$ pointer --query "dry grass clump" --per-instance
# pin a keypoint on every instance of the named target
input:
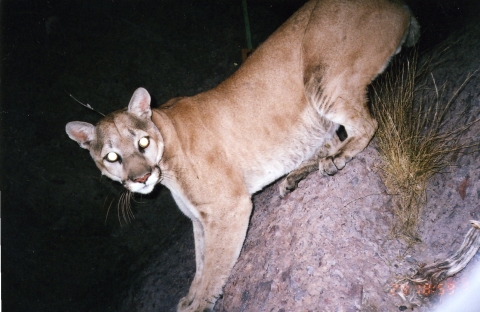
(413, 137)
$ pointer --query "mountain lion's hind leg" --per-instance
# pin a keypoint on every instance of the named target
(359, 126)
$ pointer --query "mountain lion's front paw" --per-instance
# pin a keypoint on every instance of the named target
(187, 305)
(183, 304)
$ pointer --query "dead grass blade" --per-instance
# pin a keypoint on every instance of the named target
(414, 137)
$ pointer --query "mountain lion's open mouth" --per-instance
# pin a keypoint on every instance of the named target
(144, 184)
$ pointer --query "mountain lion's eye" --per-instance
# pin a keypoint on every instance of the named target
(112, 157)
(144, 142)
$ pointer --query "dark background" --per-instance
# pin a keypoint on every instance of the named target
(62, 251)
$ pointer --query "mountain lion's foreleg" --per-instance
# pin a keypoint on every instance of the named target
(291, 180)
(224, 230)
(199, 239)
(328, 168)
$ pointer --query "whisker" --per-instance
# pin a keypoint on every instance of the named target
(124, 201)
(124, 208)
(128, 206)
(168, 175)
(108, 210)
(131, 211)
(140, 202)
(118, 208)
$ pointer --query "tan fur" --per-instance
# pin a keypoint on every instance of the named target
(277, 114)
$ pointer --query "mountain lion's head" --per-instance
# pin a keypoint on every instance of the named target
(125, 145)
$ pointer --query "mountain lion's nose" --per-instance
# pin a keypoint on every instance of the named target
(142, 179)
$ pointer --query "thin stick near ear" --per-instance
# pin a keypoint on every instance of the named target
(140, 104)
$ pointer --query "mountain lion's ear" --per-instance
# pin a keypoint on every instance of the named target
(81, 132)
(140, 104)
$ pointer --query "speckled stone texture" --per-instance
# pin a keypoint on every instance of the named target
(326, 246)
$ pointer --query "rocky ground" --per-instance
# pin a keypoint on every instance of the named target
(325, 247)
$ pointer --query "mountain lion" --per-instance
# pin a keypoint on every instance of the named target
(297, 104)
